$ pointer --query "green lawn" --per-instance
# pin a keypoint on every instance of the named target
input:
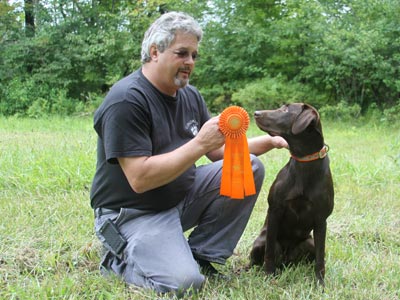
(48, 249)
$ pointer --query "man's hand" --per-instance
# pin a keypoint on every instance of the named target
(209, 136)
(279, 142)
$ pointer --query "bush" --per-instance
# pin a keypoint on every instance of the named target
(35, 99)
(341, 112)
(16, 98)
(269, 93)
(39, 108)
(391, 115)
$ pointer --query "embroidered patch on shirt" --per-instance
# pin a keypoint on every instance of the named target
(193, 126)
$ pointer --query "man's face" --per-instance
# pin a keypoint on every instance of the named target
(177, 62)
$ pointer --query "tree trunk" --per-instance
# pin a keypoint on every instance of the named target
(29, 18)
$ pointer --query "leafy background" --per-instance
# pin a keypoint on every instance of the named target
(57, 60)
(61, 57)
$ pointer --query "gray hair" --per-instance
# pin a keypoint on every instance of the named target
(162, 32)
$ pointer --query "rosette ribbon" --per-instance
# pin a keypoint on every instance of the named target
(237, 178)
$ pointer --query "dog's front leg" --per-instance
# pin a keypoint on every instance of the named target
(270, 246)
(319, 240)
(258, 250)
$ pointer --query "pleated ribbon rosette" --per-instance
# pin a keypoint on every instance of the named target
(237, 179)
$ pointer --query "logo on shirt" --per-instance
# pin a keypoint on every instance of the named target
(193, 126)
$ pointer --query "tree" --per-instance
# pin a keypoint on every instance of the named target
(357, 60)
(59, 55)
(235, 47)
(29, 18)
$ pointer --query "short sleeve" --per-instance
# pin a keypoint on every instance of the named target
(126, 131)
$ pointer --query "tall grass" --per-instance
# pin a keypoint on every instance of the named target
(48, 249)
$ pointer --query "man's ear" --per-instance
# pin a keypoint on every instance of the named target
(304, 119)
(154, 52)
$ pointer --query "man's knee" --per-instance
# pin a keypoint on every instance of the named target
(183, 282)
(193, 281)
(179, 282)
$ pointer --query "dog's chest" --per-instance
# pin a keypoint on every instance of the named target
(299, 213)
(299, 208)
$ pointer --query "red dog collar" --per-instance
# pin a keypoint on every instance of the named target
(317, 155)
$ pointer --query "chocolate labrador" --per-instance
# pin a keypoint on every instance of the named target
(301, 197)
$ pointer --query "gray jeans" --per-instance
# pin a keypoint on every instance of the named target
(158, 255)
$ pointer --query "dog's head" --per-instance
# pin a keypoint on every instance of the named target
(295, 121)
(289, 119)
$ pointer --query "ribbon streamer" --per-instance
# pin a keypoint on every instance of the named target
(237, 178)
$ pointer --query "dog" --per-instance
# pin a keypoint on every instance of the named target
(302, 196)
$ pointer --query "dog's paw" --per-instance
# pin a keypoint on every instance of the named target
(270, 268)
(257, 256)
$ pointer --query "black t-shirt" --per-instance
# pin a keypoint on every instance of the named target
(136, 119)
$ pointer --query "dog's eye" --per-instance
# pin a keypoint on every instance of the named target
(285, 108)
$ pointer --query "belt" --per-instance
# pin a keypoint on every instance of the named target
(101, 211)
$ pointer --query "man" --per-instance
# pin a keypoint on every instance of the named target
(152, 128)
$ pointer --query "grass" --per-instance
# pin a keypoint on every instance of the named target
(48, 249)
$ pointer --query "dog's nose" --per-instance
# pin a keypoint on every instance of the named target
(257, 113)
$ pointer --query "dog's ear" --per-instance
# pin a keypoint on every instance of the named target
(308, 115)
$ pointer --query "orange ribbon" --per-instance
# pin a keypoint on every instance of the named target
(237, 176)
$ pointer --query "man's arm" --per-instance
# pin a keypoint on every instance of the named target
(146, 173)
(257, 146)
(264, 143)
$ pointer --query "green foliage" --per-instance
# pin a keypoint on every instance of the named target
(339, 51)
(47, 100)
(327, 52)
(357, 59)
(234, 49)
(71, 57)
(341, 112)
(391, 115)
(270, 93)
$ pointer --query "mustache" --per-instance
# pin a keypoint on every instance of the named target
(185, 69)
